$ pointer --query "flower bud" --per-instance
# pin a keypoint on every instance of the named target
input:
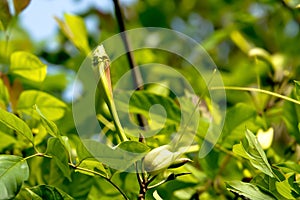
(159, 159)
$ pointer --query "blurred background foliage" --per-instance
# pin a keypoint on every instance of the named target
(253, 43)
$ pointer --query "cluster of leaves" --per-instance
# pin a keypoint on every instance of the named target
(42, 156)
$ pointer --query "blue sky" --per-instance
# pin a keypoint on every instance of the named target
(38, 17)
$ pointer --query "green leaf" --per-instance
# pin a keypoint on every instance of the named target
(6, 140)
(5, 15)
(50, 126)
(251, 150)
(284, 189)
(49, 192)
(27, 66)
(247, 190)
(237, 116)
(58, 151)
(13, 122)
(55, 82)
(133, 146)
(295, 187)
(25, 194)
(142, 101)
(120, 157)
(294, 167)
(266, 183)
(20, 5)
(51, 107)
(94, 165)
(75, 30)
(80, 186)
(13, 172)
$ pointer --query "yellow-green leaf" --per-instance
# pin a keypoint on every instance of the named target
(27, 66)
(13, 122)
(252, 150)
(74, 28)
(284, 189)
(51, 107)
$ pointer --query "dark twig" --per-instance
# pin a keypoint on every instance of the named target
(138, 84)
(136, 73)
(138, 80)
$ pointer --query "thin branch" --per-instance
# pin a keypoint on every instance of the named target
(101, 175)
(37, 154)
(138, 80)
(136, 73)
(256, 90)
(83, 169)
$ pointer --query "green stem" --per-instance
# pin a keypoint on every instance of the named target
(83, 169)
(37, 154)
(116, 120)
(256, 90)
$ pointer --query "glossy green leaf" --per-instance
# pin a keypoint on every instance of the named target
(60, 155)
(251, 150)
(49, 192)
(27, 66)
(20, 5)
(93, 165)
(74, 28)
(51, 107)
(247, 190)
(13, 172)
(13, 122)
